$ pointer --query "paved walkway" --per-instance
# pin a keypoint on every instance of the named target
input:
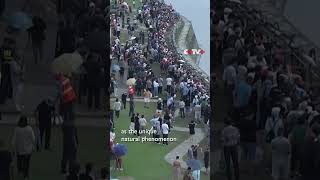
(181, 149)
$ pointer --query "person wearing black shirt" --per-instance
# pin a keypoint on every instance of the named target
(195, 151)
(137, 124)
(7, 55)
(44, 112)
(192, 130)
(206, 157)
(124, 100)
(310, 161)
(66, 40)
(37, 34)
(5, 162)
(131, 109)
(247, 127)
(70, 144)
(159, 104)
(93, 69)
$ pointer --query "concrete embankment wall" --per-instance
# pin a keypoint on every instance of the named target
(183, 38)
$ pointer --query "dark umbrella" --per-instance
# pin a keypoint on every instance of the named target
(120, 150)
(20, 20)
(194, 164)
(98, 41)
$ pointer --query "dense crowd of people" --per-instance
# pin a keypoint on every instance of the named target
(139, 55)
(146, 45)
(272, 115)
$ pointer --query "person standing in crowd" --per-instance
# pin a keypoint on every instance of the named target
(197, 112)
(117, 107)
(160, 81)
(188, 174)
(23, 143)
(190, 152)
(45, 113)
(310, 163)
(170, 103)
(206, 158)
(176, 169)
(149, 85)
(93, 69)
(297, 138)
(169, 84)
(124, 100)
(70, 145)
(37, 36)
(114, 87)
(165, 132)
(8, 54)
(17, 81)
(230, 138)
(159, 106)
(66, 96)
(192, 131)
(131, 126)
(142, 122)
(157, 131)
(155, 88)
(137, 125)
(147, 96)
(195, 151)
(280, 156)
(6, 166)
(66, 40)
(182, 108)
(247, 128)
(131, 107)
(273, 124)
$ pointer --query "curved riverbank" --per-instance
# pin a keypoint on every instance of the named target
(181, 40)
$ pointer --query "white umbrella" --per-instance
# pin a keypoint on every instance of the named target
(131, 81)
(133, 38)
(182, 61)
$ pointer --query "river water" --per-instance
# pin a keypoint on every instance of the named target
(198, 12)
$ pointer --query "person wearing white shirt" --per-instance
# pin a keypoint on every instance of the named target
(143, 123)
(165, 132)
(23, 143)
(169, 84)
(197, 112)
(155, 88)
(182, 108)
(117, 107)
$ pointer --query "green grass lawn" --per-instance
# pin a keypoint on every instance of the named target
(145, 161)
(45, 165)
